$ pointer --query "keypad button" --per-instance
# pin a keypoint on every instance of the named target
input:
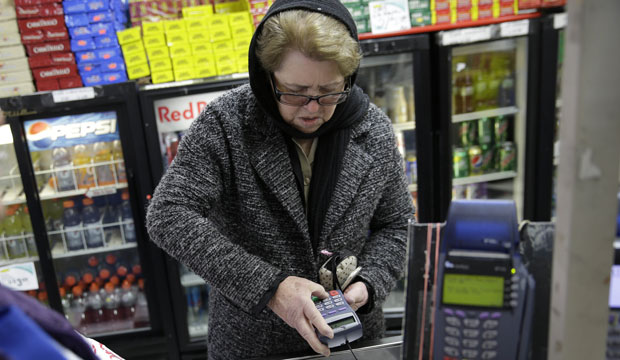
(327, 302)
(331, 312)
(496, 315)
(452, 331)
(489, 334)
(452, 341)
(471, 333)
(490, 324)
(453, 321)
(337, 297)
(460, 313)
(484, 315)
(489, 345)
(339, 303)
(334, 293)
(451, 351)
(469, 353)
(329, 307)
(514, 287)
(448, 311)
(514, 295)
(470, 343)
(342, 308)
(514, 303)
(489, 355)
(471, 323)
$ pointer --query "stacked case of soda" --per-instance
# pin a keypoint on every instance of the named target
(361, 13)
(45, 36)
(15, 76)
(92, 27)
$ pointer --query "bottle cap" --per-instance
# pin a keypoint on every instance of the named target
(122, 271)
(93, 261)
(115, 280)
(109, 287)
(131, 278)
(104, 274)
(87, 201)
(110, 259)
(68, 204)
(126, 284)
(125, 195)
(42, 295)
(77, 291)
(137, 269)
(88, 277)
(70, 281)
(62, 291)
(94, 287)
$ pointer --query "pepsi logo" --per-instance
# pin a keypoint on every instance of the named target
(40, 133)
(43, 135)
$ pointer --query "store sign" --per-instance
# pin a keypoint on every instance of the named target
(19, 277)
(465, 36)
(514, 28)
(177, 114)
(73, 94)
(388, 16)
(559, 21)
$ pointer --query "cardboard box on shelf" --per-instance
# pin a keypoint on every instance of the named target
(82, 44)
(152, 28)
(55, 72)
(160, 64)
(133, 46)
(174, 25)
(162, 76)
(205, 71)
(241, 30)
(48, 85)
(106, 41)
(12, 52)
(41, 23)
(219, 33)
(48, 47)
(39, 11)
(154, 40)
(225, 68)
(9, 27)
(184, 74)
(197, 11)
(241, 43)
(485, 12)
(196, 24)
(421, 18)
(202, 60)
(441, 5)
(33, 2)
(217, 20)
(506, 9)
(17, 89)
(135, 58)
(10, 39)
(176, 37)
(129, 35)
(184, 62)
(7, 13)
(14, 65)
(464, 14)
(419, 5)
(157, 52)
(442, 17)
(180, 50)
(70, 82)
(199, 36)
(53, 59)
(14, 77)
(138, 71)
(223, 46)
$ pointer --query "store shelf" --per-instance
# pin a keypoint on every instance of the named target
(412, 187)
(504, 175)
(50, 193)
(510, 110)
(19, 260)
(376, 61)
(13, 195)
(97, 250)
(409, 125)
(188, 280)
(213, 79)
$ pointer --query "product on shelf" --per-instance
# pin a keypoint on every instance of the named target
(15, 75)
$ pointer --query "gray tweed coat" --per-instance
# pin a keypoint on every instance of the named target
(230, 210)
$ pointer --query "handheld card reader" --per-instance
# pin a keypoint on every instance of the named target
(486, 296)
(340, 317)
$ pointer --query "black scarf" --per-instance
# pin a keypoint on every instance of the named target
(333, 136)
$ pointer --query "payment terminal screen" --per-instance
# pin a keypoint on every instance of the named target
(614, 287)
(473, 290)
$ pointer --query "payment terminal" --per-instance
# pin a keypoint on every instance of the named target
(340, 317)
(485, 295)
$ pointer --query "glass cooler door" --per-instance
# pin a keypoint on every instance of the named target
(85, 200)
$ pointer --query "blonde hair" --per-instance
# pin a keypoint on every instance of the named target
(317, 36)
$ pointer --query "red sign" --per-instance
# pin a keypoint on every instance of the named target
(177, 114)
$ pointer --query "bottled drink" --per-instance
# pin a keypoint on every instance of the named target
(475, 160)
(128, 226)
(467, 92)
(53, 223)
(91, 220)
(82, 157)
(71, 279)
(29, 236)
(398, 105)
(104, 172)
(460, 163)
(110, 217)
(507, 90)
(507, 157)
(72, 226)
(119, 162)
(141, 318)
(93, 313)
(501, 129)
(16, 247)
(128, 301)
(75, 312)
(485, 131)
(171, 140)
(111, 303)
(63, 172)
(488, 158)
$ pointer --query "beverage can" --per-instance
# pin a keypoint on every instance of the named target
(459, 192)
(485, 130)
(463, 129)
(488, 158)
(507, 157)
(460, 163)
(475, 160)
(501, 129)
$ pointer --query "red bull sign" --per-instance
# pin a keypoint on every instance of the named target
(178, 113)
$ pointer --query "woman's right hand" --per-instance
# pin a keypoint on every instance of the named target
(293, 303)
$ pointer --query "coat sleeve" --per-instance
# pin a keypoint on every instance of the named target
(185, 217)
(383, 257)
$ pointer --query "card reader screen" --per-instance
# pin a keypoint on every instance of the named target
(473, 290)
(345, 321)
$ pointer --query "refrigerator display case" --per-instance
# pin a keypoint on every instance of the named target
(485, 77)
(168, 110)
(84, 193)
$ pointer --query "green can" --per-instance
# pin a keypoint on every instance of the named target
(507, 157)
(488, 158)
(468, 132)
(501, 129)
(460, 162)
(485, 131)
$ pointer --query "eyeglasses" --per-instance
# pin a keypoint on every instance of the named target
(302, 100)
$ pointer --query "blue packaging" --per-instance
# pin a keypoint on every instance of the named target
(120, 17)
(119, 27)
(112, 65)
(108, 53)
(76, 20)
(97, 5)
(102, 29)
(73, 6)
(119, 5)
(114, 77)
(80, 32)
(105, 41)
(92, 79)
(85, 56)
(100, 17)
(82, 44)
(89, 68)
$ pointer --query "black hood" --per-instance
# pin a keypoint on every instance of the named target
(259, 80)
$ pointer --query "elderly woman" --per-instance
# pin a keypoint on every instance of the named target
(271, 174)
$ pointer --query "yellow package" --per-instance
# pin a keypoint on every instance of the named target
(176, 37)
(223, 57)
(196, 24)
(203, 60)
(160, 64)
(241, 56)
(134, 58)
(182, 62)
(184, 74)
(217, 20)
(180, 50)
(157, 52)
(240, 17)
(205, 71)
(162, 77)
(174, 25)
(241, 30)
(154, 40)
(242, 43)
(133, 46)
(242, 67)
(129, 35)
(231, 7)
(197, 11)
(219, 33)
(202, 48)
(138, 71)
(222, 46)
(152, 28)
(199, 36)
(227, 67)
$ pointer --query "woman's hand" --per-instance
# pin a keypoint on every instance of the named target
(356, 295)
(292, 302)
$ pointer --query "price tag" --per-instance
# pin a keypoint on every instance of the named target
(559, 21)
(100, 191)
(19, 277)
(465, 36)
(73, 94)
(389, 15)
(514, 28)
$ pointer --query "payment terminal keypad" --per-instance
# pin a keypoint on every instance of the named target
(332, 305)
(471, 334)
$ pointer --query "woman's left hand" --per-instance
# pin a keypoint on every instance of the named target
(356, 295)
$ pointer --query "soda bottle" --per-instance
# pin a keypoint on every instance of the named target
(117, 153)
(72, 226)
(82, 156)
(53, 223)
(104, 172)
(63, 172)
(71, 279)
(42, 297)
(111, 303)
(75, 312)
(127, 309)
(467, 92)
(110, 218)
(91, 220)
(16, 247)
(93, 313)
(29, 236)
(141, 318)
(129, 230)
(171, 140)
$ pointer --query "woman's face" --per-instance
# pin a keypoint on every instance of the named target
(301, 75)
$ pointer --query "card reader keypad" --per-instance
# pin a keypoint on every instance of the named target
(471, 334)
(332, 305)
